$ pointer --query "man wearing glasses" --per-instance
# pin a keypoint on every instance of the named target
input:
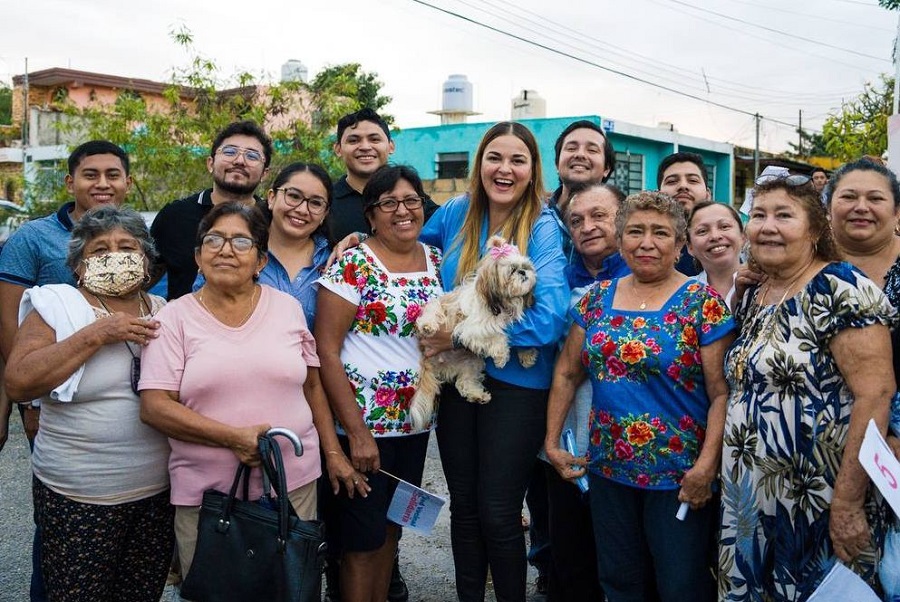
(363, 144)
(238, 160)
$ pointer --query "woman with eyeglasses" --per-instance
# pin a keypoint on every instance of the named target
(101, 488)
(810, 368)
(231, 361)
(365, 330)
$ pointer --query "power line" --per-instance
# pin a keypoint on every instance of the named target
(739, 89)
(811, 15)
(595, 64)
(778, 31)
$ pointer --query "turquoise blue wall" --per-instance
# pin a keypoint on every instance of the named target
(419, 148)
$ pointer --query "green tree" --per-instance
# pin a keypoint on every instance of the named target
(861, 126)
(5, 105)
(889, 4)
(813, 145)
(168, 145)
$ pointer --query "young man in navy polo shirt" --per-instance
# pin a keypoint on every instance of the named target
(36, 255)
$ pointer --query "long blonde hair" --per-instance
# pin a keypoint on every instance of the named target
(517, 227)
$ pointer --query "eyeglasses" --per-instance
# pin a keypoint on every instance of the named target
(793, 181)
(294, 198)
(391, 205)
(233, 152)
(239, 244)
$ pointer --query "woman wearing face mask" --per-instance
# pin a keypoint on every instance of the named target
(100, 480)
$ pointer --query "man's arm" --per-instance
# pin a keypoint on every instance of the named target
(10, 295)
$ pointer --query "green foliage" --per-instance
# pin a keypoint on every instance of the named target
(169, 142)
(5, 104)
(889, 4)
(861, 126)
(813, 145)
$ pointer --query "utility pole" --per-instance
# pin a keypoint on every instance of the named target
(756, 150)
(26, 117)
(800, 133)
(897, 69)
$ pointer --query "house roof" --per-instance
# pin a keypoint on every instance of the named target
(58, 76)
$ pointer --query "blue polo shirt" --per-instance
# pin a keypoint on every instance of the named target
(36, 253)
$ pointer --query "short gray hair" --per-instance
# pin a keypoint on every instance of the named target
(103, 219)
(652, 200)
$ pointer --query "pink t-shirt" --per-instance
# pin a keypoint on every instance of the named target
(241, 376)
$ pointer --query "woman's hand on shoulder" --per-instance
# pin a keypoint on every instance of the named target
(567, 466)
(120, 326)
(341, 472)
(244, 443)
(745, 278)
(348, 242)
(696, 486)
(849, 529)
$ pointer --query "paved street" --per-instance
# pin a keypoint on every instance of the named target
(426, 562)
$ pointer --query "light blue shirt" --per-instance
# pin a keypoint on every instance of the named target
(543, 323)
(303, 287)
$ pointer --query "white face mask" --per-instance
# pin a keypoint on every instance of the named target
(112, 274)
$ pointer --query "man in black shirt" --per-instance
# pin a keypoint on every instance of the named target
(364, 144)
(238, 160)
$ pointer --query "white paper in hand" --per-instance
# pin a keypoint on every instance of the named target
(883, 468)
(414, 508)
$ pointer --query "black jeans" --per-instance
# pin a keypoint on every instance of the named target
(488, 452)
(573, 575)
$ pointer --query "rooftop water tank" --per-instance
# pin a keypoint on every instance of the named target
(294, 71)
(528, 105)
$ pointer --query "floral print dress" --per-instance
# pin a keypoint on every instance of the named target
(786, 427)
(648, 417)
(381, 352)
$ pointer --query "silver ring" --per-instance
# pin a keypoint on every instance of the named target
(356, 481)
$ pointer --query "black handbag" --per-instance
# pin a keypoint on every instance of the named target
(255, 550)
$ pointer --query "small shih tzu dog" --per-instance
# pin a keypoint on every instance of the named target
(478, 312)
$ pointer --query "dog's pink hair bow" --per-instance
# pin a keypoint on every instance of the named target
(504, 250)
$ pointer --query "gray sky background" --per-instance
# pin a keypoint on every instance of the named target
(733, 58)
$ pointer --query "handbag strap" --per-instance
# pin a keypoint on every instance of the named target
(241, 474)
(273, 465)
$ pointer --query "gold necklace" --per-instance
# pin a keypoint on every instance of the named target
(142, 303)
(634, 293)
(213, 314)
(764, 334)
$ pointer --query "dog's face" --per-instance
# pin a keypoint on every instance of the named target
(504, 275)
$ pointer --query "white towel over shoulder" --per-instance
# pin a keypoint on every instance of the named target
(66, 311)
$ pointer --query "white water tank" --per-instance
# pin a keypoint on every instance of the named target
(457, 94)
(528, 105)
(294, 71)
(456, 100)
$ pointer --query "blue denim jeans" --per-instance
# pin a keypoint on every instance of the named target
(488, 452)
(644, 553)
(36, 591)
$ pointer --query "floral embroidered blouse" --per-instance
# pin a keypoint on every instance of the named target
(381, 352)
(648, 417)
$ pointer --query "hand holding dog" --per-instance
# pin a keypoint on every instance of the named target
(437, 342)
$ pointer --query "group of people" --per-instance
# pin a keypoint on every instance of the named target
(719, 372)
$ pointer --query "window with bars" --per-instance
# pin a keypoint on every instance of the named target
(452, 165)
(629, 172)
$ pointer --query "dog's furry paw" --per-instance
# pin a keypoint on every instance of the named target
(527, 357)
(501, 358)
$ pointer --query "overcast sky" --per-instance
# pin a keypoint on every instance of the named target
(723, 51)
